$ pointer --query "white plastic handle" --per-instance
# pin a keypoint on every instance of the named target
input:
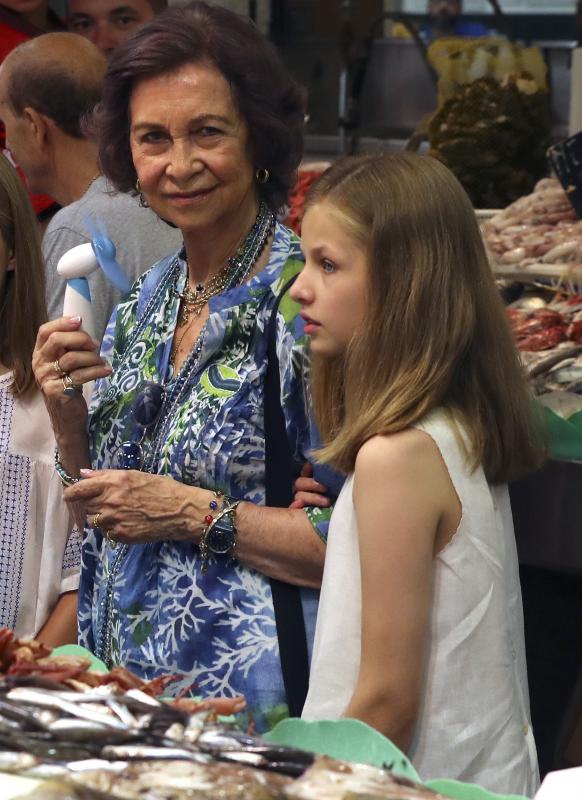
(78, 262)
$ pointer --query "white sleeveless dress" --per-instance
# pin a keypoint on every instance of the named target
(474, 722)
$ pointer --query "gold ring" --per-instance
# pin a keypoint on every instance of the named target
(110, 539)
(58, 369)
(70, 387)
(96, 520)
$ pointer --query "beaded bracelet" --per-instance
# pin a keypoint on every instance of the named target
(229, 507)
(66, 479)
(213, 505)
(219, 497)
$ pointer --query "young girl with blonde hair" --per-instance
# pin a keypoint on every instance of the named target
(39, 557)
(420, 401)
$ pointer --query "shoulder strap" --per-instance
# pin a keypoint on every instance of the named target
(279, 477)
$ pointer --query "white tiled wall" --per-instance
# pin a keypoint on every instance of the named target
(509, 6)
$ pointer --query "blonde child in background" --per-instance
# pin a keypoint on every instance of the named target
(420, 401)
(39, 552)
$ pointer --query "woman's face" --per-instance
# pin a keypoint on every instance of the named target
(332, 287)
(190, 147)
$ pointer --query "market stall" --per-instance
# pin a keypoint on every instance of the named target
(70, 729)
(536, 250)
(536, 253)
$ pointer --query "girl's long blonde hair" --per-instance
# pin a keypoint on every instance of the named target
(23, 304)
(435, 333)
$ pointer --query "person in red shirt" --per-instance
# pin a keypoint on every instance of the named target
(21, 20)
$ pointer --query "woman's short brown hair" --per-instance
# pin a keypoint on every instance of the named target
(268, 98)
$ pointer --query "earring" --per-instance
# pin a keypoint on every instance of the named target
(142, 201)
(262, 175)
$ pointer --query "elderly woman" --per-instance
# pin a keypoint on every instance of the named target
(200, 116)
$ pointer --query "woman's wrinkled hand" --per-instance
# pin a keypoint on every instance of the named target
(308, 491)
(63, 349)
(136, 507)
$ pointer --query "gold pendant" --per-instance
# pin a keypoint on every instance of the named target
(184, 315)
(188, 309)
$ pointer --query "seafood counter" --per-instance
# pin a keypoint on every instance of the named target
(538, 229)
(130, 745)
(326, 779)
(109, 736)
(535, 245)
(536, 242)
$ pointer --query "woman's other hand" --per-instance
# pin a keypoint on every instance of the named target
(308, 491)
(63, 349)
(136, 507)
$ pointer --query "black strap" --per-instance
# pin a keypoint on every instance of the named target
(280, 473)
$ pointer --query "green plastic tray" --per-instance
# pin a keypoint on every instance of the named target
(352, 740)
(77, 650)
(345, 739)
(565, 436)
(467, 791)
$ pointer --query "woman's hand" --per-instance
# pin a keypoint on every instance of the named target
(308, 491)
(62, 349)
(135, 507)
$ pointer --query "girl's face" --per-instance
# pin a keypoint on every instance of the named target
(333, 285)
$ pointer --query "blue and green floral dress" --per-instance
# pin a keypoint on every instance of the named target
(149, 607)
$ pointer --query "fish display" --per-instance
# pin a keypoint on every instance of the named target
(326, 779)
(548, 335)
(90, 736)
(112, 744)
(541, 227)
(58, 725)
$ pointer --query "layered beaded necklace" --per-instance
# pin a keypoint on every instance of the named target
(235, 271)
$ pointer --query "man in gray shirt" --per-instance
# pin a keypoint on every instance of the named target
(47, 85)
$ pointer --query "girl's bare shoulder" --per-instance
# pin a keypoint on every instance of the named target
(407, 449)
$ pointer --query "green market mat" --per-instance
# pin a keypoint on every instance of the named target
(352, 740)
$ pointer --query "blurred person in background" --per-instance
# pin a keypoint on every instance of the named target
(46, 87)
(21, 20)
(40, 550)
(107, 23)
(446, 19)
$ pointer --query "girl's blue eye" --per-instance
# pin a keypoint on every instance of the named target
(328, 266)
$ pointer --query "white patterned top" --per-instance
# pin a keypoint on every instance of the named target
(38, 559)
